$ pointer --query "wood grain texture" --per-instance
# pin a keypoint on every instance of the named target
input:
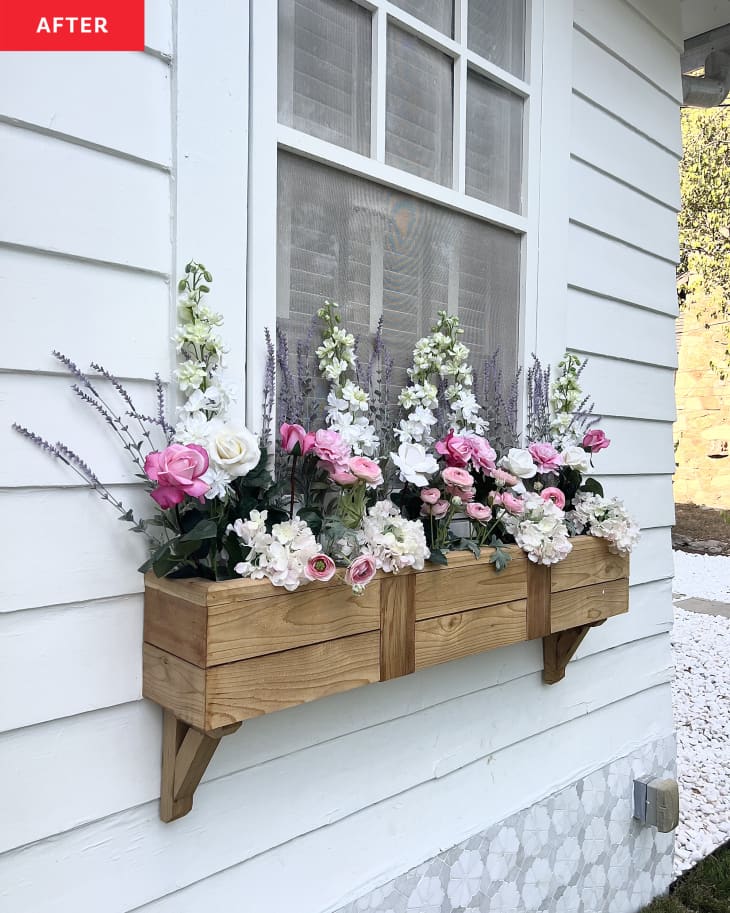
(238, 630)
(589, 604)
(173, 735)
(558, 650)
(464, 633)
(251, 687)
(538, 600)
(397, 626)
(178, 626)
(174, 684)
(589, 562)
(470, 584)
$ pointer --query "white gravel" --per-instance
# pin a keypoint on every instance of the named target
(703, 576)
(702, 710)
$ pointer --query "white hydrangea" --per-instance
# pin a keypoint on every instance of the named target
(540, 531)
(394, 542)
(280, 556)
(605, 518)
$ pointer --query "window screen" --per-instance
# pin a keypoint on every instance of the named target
(379, 251)
(496, 30)
(439, 14)
(324, 70)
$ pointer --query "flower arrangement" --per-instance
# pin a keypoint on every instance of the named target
(365, 489)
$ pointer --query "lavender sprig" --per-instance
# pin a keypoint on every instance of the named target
(538, 401)
(269, 393)
(126, 397)
(162, 409)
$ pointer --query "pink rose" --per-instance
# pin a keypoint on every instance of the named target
(361, 571)
(483, 455)
(457, 477)
(177, 470)
(320, 567)
(331, 448)
(430, 495)
(512, 504)
(478, 512)
(555, 495)
(455, 448)
(595, 440)
(502, 477)
(291, 435)
(366, 470)
(438, 510)
(546, 457)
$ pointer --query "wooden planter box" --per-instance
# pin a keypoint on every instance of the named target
(216, 654)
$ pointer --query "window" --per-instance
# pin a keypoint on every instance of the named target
(395, 167)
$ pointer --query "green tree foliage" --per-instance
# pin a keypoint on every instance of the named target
(704, 221)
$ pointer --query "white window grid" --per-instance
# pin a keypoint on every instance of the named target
(267, 137)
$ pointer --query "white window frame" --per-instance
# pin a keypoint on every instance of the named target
(267, 137)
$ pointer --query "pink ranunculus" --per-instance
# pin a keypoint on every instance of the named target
(331, 448)
(455, 448)
(467, 494)
(438, 510)
(483, 455)
(478, 512)
(341, 476)
(430, 495)
(555, 495)
(512, 504)
(366, 470)
(361, 571)
(546, 457)
(320, 567)
(291, 435)
(177, 470)
(502, 477)
(595, 440)
(495, 498)
(456, 477)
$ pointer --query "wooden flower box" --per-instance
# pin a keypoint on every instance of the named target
(216, 654)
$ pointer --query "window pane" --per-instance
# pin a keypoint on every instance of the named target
(437, 13)
(419, 104)
(378, 251)
(496, 30)
(493, 143)
(324, 70)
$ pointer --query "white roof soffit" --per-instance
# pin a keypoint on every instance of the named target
(706, 26)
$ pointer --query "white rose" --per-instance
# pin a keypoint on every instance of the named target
(519, 463)
(414, 464)
(234, 449)
(577, 458)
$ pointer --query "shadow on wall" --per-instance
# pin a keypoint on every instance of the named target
(702, 428)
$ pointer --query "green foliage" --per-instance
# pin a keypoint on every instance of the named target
(704, 220)
(704, 889)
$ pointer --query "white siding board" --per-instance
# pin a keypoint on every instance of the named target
(92, 555)
(664, 16)
(120, 101)
(627, 389)
(48, 406)
(74, 200)
(602, 203)
(608, 267)
(620, 28)
(83, 309)
(605, 142)
(609, 83)
(91, 653)
(145, 859)
(637, 448)
(648, 497)
(652, 558)
(700, 16)
(607, 327)
(158, 26)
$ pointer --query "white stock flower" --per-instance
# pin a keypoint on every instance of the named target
(414, 464)
(605, 518)
(519, 463)
(393, 541)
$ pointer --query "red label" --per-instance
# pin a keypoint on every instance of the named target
(71, 25)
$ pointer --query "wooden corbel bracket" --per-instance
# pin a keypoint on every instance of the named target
(186, 753)
(558, 650)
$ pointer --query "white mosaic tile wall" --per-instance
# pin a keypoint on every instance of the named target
(578, 851)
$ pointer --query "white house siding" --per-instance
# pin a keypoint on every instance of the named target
(313, 807)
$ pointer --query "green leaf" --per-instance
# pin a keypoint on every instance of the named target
(127, 517)
(205, 529)
(312, 518)
(593, 486)
(499, 558)
(471, 546)
(438, 557)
